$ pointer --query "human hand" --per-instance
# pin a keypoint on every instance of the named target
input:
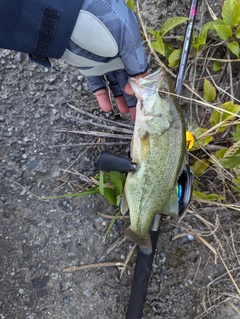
(106, 105)
(107, 48)
(121, 89)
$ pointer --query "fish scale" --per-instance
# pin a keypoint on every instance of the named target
(159, 152)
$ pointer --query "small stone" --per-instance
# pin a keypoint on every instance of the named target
(20, 57)
(99, 219)
(25, 139)
(57, 173)
(87, 292)
(79, 88)
(33, 163)
(37, 115)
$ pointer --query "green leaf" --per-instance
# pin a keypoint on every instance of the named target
(224, 32)
(101, 183)
(236, 134)
(209, 26)
(199, 42)
(109, 194)
(231, 161)
(168, 49)
(234, 48)
(158, 45)
(231, 12)
(223, 115)
(220, 154)
(214, 197)
(118, 188)
(238, 32)
(130, 3)
(209, 91)
(153, 32)
(199, 167)
(181, 38)
(110, 226)
(237, 189)
(211, 197)
(171, 24)
(237, 180)
(199, 195)
(116, 176)
(216, 66)
(200, 141)
(118, 200)
(174, 58)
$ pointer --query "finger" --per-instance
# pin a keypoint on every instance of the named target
(117, 81)
(113, 84)
(103, 100)
(132, 112)
(128, 89)
(121, 104)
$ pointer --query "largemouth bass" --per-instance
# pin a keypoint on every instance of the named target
(159, 151)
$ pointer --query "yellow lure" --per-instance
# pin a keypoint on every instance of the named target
(189, 140)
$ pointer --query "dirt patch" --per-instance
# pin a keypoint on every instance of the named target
(38, 239)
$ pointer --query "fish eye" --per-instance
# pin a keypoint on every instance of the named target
(163, 94)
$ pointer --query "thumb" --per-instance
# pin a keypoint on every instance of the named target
(103, 99)
(128, 89)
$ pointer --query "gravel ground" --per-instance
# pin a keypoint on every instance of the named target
(38, 239)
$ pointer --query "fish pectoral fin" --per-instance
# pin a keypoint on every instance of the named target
(123, 204)
(172, 206)
(144, 243)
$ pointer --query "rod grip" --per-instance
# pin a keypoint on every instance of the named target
(110, 162)
(141, 279)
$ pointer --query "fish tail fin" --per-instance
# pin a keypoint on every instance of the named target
(144, 243)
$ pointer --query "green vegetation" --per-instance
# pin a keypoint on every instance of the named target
(223, 124)
(224, 119)
(226, 29)
(110, 185)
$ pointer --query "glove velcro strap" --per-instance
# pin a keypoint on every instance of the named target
(46, 31)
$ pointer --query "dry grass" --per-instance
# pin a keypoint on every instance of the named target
(221, 246)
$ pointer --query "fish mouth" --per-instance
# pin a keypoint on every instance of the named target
(145, 114)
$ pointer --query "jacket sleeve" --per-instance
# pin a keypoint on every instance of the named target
(106, 38)
(41, 28)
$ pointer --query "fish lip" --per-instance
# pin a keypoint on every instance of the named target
(150, 115)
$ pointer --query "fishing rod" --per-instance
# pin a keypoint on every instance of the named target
(186, 47)
(108, 161)
(144, 262)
